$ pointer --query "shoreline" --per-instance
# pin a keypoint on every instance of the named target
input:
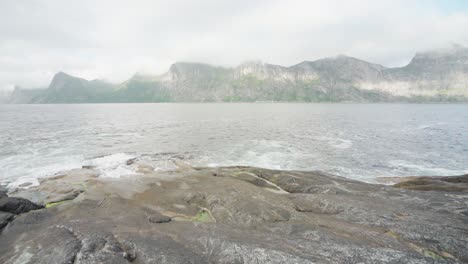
(237, 214)
(135, 166)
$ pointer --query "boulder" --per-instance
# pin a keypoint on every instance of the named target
(159, 218)
(447, 184)
(16, 205)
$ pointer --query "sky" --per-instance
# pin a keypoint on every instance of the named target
(114, 39)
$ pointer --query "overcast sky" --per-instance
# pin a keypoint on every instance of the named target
(114, 39)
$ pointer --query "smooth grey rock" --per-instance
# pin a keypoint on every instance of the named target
(16, 205)
(58, 244)
(238, 217)
(448, 184)
(104, 248)
(5, 218)
(159, 218)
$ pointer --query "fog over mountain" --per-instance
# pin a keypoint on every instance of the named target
(438, 75)
(113, 39)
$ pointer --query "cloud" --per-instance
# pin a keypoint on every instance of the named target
(113, 39)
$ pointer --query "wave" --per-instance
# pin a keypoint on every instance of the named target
(113, 166)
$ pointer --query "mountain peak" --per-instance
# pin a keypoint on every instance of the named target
(62, 79)
(454, 54)
(62, 74)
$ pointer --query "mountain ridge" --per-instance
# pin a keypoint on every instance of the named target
(431, 76)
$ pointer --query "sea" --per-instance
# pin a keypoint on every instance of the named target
(358, 141)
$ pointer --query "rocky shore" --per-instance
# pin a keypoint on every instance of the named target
(234, 215)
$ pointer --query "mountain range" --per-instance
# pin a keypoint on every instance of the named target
(433, 76)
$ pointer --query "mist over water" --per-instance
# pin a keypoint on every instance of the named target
(359, 141)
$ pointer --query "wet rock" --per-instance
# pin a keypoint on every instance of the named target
(130, 161)
(145, 168)
(24, 185)
(159, 218)
(16, 205)
(447, 184)
(62, 187)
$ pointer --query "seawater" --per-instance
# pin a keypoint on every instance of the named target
(359, 141)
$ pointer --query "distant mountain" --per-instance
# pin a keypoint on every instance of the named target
(65, 88)
(4, 96)
(23, 96)
(434, 76)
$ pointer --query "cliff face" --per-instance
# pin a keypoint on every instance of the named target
(440, 75)
(437, 74)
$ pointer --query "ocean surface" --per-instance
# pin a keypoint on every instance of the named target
(359, 141)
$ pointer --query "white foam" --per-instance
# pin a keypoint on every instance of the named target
(159, 164)
(343, 144)
(114, 165)
(339, 143)
(270, 154)
(422, 127)
(37, 168)
(424, 169)
(24, 180)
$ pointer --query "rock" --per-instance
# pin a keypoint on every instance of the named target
(130, 161)
(104, 248)
(319, 204)
(243, 215)
(447, 184)
(16, 205)
(59, 244)
(66, 196)
(24, 185)
(5, 218)
(145, 168)
(3, 194)
(159, 218)
(58, 188)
